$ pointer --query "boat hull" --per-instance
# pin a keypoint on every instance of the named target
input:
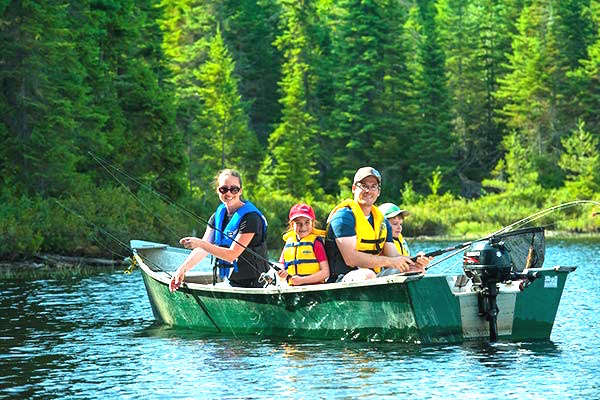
(424, 309)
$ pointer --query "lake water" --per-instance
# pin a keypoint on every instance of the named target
(95, 337)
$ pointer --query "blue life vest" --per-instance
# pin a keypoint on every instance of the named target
(224, 236)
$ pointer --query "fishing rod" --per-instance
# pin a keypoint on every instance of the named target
(113, 237)
(106, 165)
(533, 217)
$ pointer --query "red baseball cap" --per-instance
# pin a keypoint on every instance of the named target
(302, 210)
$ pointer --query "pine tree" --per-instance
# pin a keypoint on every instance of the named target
(357, 83)
(587, 76)
(581, 162)
(391, 143)
(290, 166)
(120, 46)
(475, 36)
(431, 141)
(43, 94)
(537, 92)
(188, 27)
(249, 30)
(223, 139)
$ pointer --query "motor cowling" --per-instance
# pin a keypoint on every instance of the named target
(487, 260)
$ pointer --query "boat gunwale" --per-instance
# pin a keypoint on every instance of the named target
(163, 277)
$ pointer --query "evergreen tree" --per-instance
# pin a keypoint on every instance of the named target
(431, 140)
(224, 139)
(475, 36)
(43, 93)
(537, 92)
(119, 43)
(357, 81)
(581, 162)
(587, 76)
(188, 27)
(290, 163)
(391, 142)
(249, 30)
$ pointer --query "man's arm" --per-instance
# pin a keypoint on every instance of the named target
(355, 258)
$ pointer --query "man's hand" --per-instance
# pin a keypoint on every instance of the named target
(401, 263)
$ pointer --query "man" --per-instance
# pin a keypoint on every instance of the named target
(359, 239)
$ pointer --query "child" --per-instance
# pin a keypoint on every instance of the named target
(395, 215)
(303, 255)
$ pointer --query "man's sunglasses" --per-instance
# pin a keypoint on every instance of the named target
(232, 189)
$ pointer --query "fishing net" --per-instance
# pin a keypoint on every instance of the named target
(526, 247)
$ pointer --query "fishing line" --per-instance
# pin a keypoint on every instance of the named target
(102, 164)
(110, 235)
(116, 239)
(520, 223)
(105, 164)
(543, 213)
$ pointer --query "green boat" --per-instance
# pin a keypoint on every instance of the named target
(492, 300)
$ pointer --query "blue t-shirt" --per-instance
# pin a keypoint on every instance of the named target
(343, 224)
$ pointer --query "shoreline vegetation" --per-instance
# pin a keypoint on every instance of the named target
(100, 222)
(43, 266)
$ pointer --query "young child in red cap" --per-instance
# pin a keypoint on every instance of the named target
(303, 256)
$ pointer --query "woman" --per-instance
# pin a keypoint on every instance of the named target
(303, 255)
(235, 236)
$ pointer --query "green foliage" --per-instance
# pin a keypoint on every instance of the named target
(249, 31)
(19, 225)
(276, 207)
(520, 169)
(296, 95)
(435, 181)
(224, 139)
(581, 162)
(409, 195)
(432, 143)
(475, 38)
(290, 164)
(538, 92)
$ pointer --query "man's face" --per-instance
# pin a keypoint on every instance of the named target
(366, 191)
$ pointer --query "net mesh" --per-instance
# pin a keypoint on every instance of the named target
(525, 246)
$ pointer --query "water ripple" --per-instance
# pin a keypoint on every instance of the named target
(96, 337)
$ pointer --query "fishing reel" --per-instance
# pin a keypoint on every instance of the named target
(269, 277)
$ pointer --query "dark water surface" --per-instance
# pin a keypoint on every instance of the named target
(95, 337)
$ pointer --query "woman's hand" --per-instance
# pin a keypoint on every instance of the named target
(190, 242)
(177, 279)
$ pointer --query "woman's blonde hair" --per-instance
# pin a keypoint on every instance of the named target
(228, 172)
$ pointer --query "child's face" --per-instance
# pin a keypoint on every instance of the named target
(396, 223)
(302, 226)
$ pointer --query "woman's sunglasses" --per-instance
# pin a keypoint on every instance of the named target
(232, 189)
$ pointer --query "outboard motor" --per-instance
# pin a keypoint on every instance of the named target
(488, 263)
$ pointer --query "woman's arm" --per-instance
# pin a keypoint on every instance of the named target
(191, 260)
(231, 253)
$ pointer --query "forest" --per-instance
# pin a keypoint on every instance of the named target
(116, 115)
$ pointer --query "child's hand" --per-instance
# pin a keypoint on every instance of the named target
(282, 273)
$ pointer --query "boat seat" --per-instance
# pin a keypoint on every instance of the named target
(203, 279)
